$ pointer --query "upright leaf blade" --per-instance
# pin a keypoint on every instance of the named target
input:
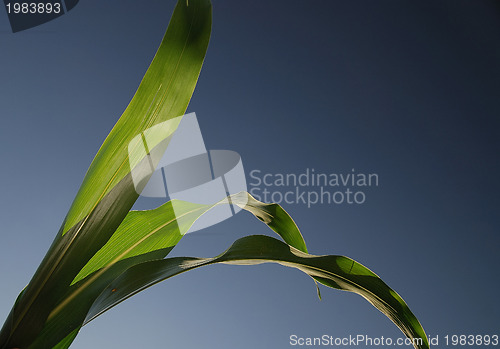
(163, 94)
(107, 192)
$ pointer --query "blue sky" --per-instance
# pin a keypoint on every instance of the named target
(407, 90)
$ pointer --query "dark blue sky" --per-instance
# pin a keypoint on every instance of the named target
(407, 90)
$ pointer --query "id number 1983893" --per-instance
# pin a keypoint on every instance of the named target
(33, 7)
(466, 340)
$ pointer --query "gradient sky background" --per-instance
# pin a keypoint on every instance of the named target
(405, 89)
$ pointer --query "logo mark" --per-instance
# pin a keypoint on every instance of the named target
(170, 160)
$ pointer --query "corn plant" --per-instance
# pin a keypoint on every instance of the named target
(105, 253)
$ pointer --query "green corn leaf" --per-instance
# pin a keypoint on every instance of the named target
(108, 192)
(335, 271)
(127, 276)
